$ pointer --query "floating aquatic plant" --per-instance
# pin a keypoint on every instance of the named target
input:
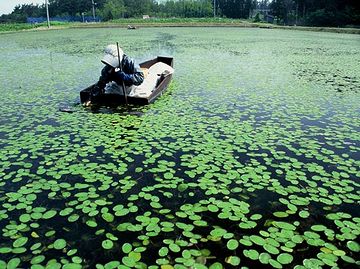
(254, 164)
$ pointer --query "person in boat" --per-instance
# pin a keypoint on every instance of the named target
(128, 74)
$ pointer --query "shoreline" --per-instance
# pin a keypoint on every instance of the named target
(189, 24)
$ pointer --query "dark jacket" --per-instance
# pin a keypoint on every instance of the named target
(133, 74)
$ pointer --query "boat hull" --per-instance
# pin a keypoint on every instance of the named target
(117, 99)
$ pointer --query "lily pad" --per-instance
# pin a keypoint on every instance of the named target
(233, 260)
(20, 242)
(107, 244)
(353, 246)
(232, 244)
(59, 244)
(216, 265)
(285, 258)
(126, 248)
(264, 258)
(13, 263)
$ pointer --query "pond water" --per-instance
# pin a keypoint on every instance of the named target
(251, 159)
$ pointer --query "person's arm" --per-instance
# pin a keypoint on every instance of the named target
(131, 74)
(105, 77)
(138, 77)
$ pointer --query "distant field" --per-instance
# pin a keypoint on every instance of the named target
(171, 22)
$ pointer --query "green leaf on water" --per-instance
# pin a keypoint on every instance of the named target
(318, 228)
(216, 265)
(271, 249)
(285, 258)
(13, 263)
(252, 254)
(233, 260)
(275, 264)
(59, 244)
(25, 218)
(245, 242)
(304, 214)
(72, 266)
(128, 261)
(255, 217)
(20, 242)
(73, 218)
(136, 256)
(353, 246)
(107, 244)
(126, 248)
(91, 223)
(257, 240)
(232, 244)
(49, 214)
(174, 248)
(100, 202)
(5, 250)
(339, 253)
(280, 214)
(264, 258)
(284, 225)
(163, 251)
(37, 259)
(348, 259)
(218, 232)
(108, 217)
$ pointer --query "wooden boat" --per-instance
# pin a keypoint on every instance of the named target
(117, 99)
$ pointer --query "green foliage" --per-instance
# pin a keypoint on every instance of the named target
(185, 8)
(113, 9)
(317, 13)
(179, 21)
(71, 7)
(257, 18)
(300, 12)
(324, 17)
(236, 8)
(7, 27)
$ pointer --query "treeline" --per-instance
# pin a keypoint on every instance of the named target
(288, 12)
(317, 12)
(113, 9)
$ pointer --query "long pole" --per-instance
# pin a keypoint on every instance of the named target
(47, 13)
(93, 9)
(123, 84)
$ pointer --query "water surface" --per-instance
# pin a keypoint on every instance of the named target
(250, 159)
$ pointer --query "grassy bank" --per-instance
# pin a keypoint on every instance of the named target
(172, 22)
(14, 27)
(8, 27)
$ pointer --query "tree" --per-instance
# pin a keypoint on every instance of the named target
(282, 9)
(306, 12)
(22, 12)
(113, 9)
(136, 8)
(317, 12)
(236, 8)
(72, 7)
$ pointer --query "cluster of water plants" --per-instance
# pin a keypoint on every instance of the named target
(250, 160)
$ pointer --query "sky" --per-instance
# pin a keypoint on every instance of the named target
(7, 6)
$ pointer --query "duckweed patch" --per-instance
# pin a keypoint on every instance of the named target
(250, 159)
